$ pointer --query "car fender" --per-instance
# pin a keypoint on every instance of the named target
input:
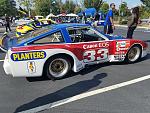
(77, 64)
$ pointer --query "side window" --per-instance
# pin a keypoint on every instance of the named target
(84, 35)
(53, 38)
(75, 35)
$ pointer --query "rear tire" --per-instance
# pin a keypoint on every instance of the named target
(134, 54)
(57, 67)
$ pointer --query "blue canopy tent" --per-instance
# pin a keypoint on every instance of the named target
(88, 12)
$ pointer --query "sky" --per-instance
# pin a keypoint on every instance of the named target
(131, 3)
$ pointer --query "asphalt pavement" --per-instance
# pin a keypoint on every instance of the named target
(21, 94)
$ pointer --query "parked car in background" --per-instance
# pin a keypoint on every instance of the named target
(25, 28)
(2, 22)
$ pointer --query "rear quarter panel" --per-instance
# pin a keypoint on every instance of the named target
(123, 46)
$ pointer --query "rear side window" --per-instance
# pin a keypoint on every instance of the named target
(52, 38)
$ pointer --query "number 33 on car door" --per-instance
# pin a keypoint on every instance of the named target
(95, 55)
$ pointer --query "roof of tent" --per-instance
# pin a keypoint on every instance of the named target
(50, 15)
(62, 14)
(88, 12)
(71, 14)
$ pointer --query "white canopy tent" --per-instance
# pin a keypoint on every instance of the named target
(50, 15)
(63, 14)
(72, 15)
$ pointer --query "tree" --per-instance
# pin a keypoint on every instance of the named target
(28, 4)
(144, 13)
(123, 10)
(146, 3)
(69, 6)
(46, 7)
(7, 7)
(105, 7)
(77, 9)
(93, 3)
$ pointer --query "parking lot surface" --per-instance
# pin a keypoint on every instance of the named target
(30, 95)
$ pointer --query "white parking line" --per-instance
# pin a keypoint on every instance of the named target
(85, 95)
(1, 60)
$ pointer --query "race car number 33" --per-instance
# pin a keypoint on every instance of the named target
(32, 55)
(95, 55)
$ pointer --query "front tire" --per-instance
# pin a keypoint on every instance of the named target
(57, 67)
(134, 54)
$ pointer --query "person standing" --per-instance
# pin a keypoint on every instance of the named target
(7, 23)
(84, 19)
(133, 22)
(109, 22)
(96, 19)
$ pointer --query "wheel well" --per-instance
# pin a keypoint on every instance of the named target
(137, 45)
(60, 54)
(134, 46)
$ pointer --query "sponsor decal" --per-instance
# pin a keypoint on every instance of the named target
(32, 55)
(31, 67)
(97, 45)
(122, 45)
(119, 56)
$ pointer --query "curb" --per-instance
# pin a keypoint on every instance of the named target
(147, 28)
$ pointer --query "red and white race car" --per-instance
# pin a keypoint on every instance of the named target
(55, 50)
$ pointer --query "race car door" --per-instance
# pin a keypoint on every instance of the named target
(93, 45)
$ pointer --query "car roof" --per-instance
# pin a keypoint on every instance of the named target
(66, 25)
(51, 28)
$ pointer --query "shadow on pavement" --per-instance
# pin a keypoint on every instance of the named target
(66, 92)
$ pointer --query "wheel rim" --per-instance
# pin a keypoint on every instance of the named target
(58, 67)
(134, 54)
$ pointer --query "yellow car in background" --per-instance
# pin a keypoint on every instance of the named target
(24, 29)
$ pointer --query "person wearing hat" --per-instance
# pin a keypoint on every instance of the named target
(109, 22)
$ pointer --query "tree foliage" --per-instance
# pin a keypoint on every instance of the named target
(26, 3)
(46, 7)
(144, 13)
(69, 6)
(7, 7)
(146, 3)
(123, 10)
(105, 7)
(93, 3)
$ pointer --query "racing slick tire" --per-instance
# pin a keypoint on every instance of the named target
(134, 54)
(57, 67)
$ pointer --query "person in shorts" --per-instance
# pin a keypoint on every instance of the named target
(133, 22)
(96, 19)
(109, 22)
